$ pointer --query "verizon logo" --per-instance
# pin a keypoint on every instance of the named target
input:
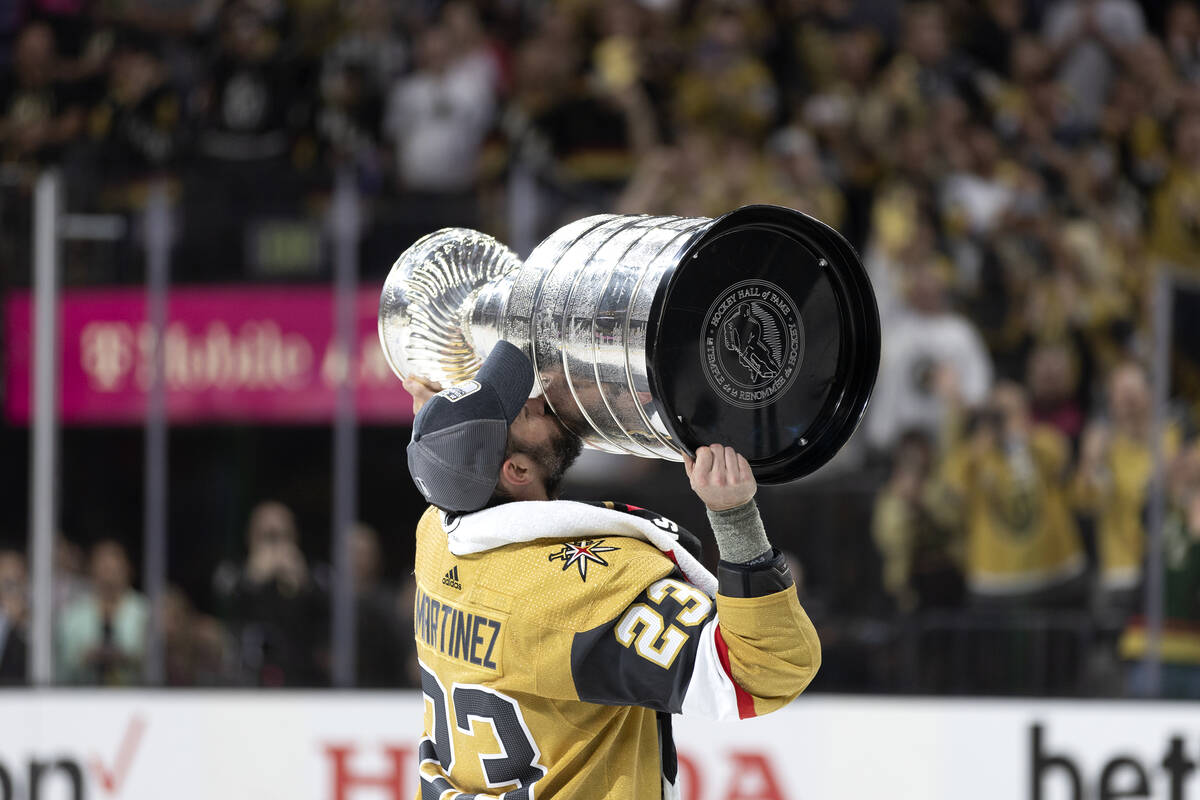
(68, 769)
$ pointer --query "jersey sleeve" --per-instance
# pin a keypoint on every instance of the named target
(674, 649)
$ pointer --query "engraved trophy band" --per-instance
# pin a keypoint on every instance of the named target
(653, 336)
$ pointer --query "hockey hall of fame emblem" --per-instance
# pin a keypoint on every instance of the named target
(752, 344)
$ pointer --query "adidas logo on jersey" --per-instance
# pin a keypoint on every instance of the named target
(451, 579)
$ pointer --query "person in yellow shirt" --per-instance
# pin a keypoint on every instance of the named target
(1179, 646)
(799, 179)
(725, 84)
(922, 561)
(1115, 466)
(1175, 207)
(1005, 485)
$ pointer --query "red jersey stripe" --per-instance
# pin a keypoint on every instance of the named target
(745, 702)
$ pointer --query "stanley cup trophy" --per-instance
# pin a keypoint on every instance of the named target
(653, 336)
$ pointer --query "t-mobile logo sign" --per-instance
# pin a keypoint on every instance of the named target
(1059, 776)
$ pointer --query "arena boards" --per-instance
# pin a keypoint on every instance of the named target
(357, 746)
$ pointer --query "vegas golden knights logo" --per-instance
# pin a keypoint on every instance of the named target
(580, 554)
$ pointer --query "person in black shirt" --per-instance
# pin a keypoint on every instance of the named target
(39, 115)
(254, 109)
(276, 608)
(136, 125)
(382, 651)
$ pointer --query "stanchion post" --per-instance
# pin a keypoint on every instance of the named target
(157, 242)
(1164, 303)
(43, 452)
(345, 226)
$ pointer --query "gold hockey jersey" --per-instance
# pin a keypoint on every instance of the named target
(555, 642)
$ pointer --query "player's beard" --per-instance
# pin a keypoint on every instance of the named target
(558, 457)
(553, 458)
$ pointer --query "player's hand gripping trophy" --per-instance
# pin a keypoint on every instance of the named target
(653, 336)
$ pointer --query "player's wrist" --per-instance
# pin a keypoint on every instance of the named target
(722, 506)
(739, 532)
(734, 512)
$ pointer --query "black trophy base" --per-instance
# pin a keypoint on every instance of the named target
(766, 339)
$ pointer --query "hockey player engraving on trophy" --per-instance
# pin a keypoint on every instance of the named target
(655, 335)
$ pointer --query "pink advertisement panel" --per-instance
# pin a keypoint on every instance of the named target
(245, 354)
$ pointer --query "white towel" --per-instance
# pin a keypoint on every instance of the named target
(565, 520)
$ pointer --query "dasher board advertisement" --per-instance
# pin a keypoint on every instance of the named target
(128, 745)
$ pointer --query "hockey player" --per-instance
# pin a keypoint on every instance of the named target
(557, 638)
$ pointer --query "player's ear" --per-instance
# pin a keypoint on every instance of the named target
(517, 472)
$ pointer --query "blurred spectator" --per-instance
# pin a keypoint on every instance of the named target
(574, 137)
(992, 32)
(725, 85)
(136, 127)
(1115, 467)
(686, 179)
(801, 180)
(981, 190)
(70, 21)
(347, 123)
(275, 609)
(82, 37)
(372, 42)
(307, 26)
(1103, 283)
(437, 118)
(1183, 38)
(383, 648)
(70, 579)
(1175, 229)
(1057, 315)
(927, 71)
(196, 647)
(253, 108)
(853, 125)
(1004, 484)
(544, 72)
(407, 598)
(901, 236)
(41, 114)
(1087, 40)
(13, 609)
(813, 30)
(922, 561)
(475, 53)
(357, 71)
(102, 635)
(1053, 377)
(252, 104)
(1180, 644)
(928, 351)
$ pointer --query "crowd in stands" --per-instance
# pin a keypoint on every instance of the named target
(1015, 173)
(270, 629)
